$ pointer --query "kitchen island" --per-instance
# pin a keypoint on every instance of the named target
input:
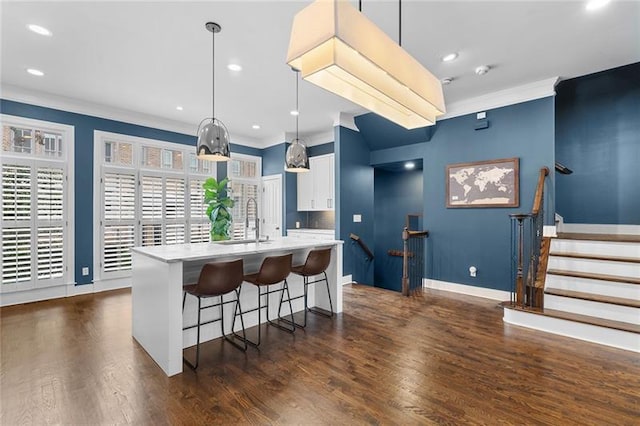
(159, 273)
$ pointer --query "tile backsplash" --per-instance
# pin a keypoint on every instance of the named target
(318, 220)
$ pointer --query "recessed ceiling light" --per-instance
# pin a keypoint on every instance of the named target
(40, 30)
(34, 71)
(294, 112)
(596, 4)
(234, 67)
(450, 57)
(447, 80)
(256, 127)
(179, 108)
(482, 70)
(409, 165)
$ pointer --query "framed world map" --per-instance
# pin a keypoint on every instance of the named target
(492, 183)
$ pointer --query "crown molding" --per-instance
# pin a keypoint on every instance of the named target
(345, 119)
(49, 100)
(514, 95)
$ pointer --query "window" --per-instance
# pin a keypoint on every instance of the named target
(118, 153)
(36, 245)
(244, 174)
(159, 202)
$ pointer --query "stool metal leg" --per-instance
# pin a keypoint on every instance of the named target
(195, 366)
(316, 311)
(291, 322)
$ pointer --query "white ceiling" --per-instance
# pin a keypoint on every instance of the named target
(149, 57)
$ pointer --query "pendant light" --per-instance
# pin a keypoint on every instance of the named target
(213, 136)
(296, 159)
(337, 48)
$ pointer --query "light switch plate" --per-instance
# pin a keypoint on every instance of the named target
(357, 218)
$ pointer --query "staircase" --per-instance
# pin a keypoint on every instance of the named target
(591, 290)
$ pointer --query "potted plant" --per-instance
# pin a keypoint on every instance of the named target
(219, 206)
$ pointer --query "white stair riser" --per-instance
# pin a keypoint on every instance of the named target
(607, 267)
(606, 248)
(594, 309)
(591, 333)
(591, 228)
(607, 288)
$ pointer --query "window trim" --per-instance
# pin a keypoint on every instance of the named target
(67, 159)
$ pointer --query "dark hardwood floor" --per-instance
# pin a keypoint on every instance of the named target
(438, 358)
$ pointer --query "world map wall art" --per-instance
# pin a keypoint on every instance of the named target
(492, 183)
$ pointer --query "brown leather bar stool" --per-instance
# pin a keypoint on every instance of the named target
(216, 280)
(274, 269)
(316, 263)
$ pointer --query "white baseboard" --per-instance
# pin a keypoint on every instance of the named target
(347, 279)
(60, 291)
(587, 228)
(487, 293)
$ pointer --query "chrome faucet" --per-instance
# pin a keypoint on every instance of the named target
(246, 209)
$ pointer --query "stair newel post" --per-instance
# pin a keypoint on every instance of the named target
(519, 284)
(405, 262)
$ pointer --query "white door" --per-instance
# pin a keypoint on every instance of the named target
(271, 216)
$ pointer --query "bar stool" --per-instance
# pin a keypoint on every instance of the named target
(274, 269)
(316, 263)
(216, 280)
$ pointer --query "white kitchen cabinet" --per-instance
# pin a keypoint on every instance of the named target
(305, 191)
(316, 189)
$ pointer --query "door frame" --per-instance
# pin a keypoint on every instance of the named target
(279, 209)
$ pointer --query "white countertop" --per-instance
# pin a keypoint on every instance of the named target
(199, 251)
(314, 230)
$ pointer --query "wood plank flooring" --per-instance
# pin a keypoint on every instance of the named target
(436, 358)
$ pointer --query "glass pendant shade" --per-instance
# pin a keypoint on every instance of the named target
(296, 159)
(213, 141)
(337, 48)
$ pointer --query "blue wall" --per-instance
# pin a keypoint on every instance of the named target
(462, 237)
(83, 168)
(598, 137)
(354, 195)
(397, 194)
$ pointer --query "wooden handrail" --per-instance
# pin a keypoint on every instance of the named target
(362, 245)
(537, 200)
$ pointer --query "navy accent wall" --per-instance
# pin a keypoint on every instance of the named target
(462, 237)
(325, 148)
(397, 194)
(354, 195)
(598, 137)
(83, 168)
(273, 164)
(378, 131)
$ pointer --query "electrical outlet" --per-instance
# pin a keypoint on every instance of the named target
(85, 271)
(357, 218)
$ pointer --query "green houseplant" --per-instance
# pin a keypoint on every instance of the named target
(219, 206)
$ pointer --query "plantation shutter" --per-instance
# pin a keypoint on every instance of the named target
(119, 195)
(50, 223)
(16, 220)
(174, 207)
(151, 210)
(198, 222)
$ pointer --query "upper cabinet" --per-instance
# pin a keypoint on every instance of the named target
(316, 188)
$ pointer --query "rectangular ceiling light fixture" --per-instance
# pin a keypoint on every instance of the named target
(337, 48)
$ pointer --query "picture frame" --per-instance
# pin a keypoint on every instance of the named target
(490, 183)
